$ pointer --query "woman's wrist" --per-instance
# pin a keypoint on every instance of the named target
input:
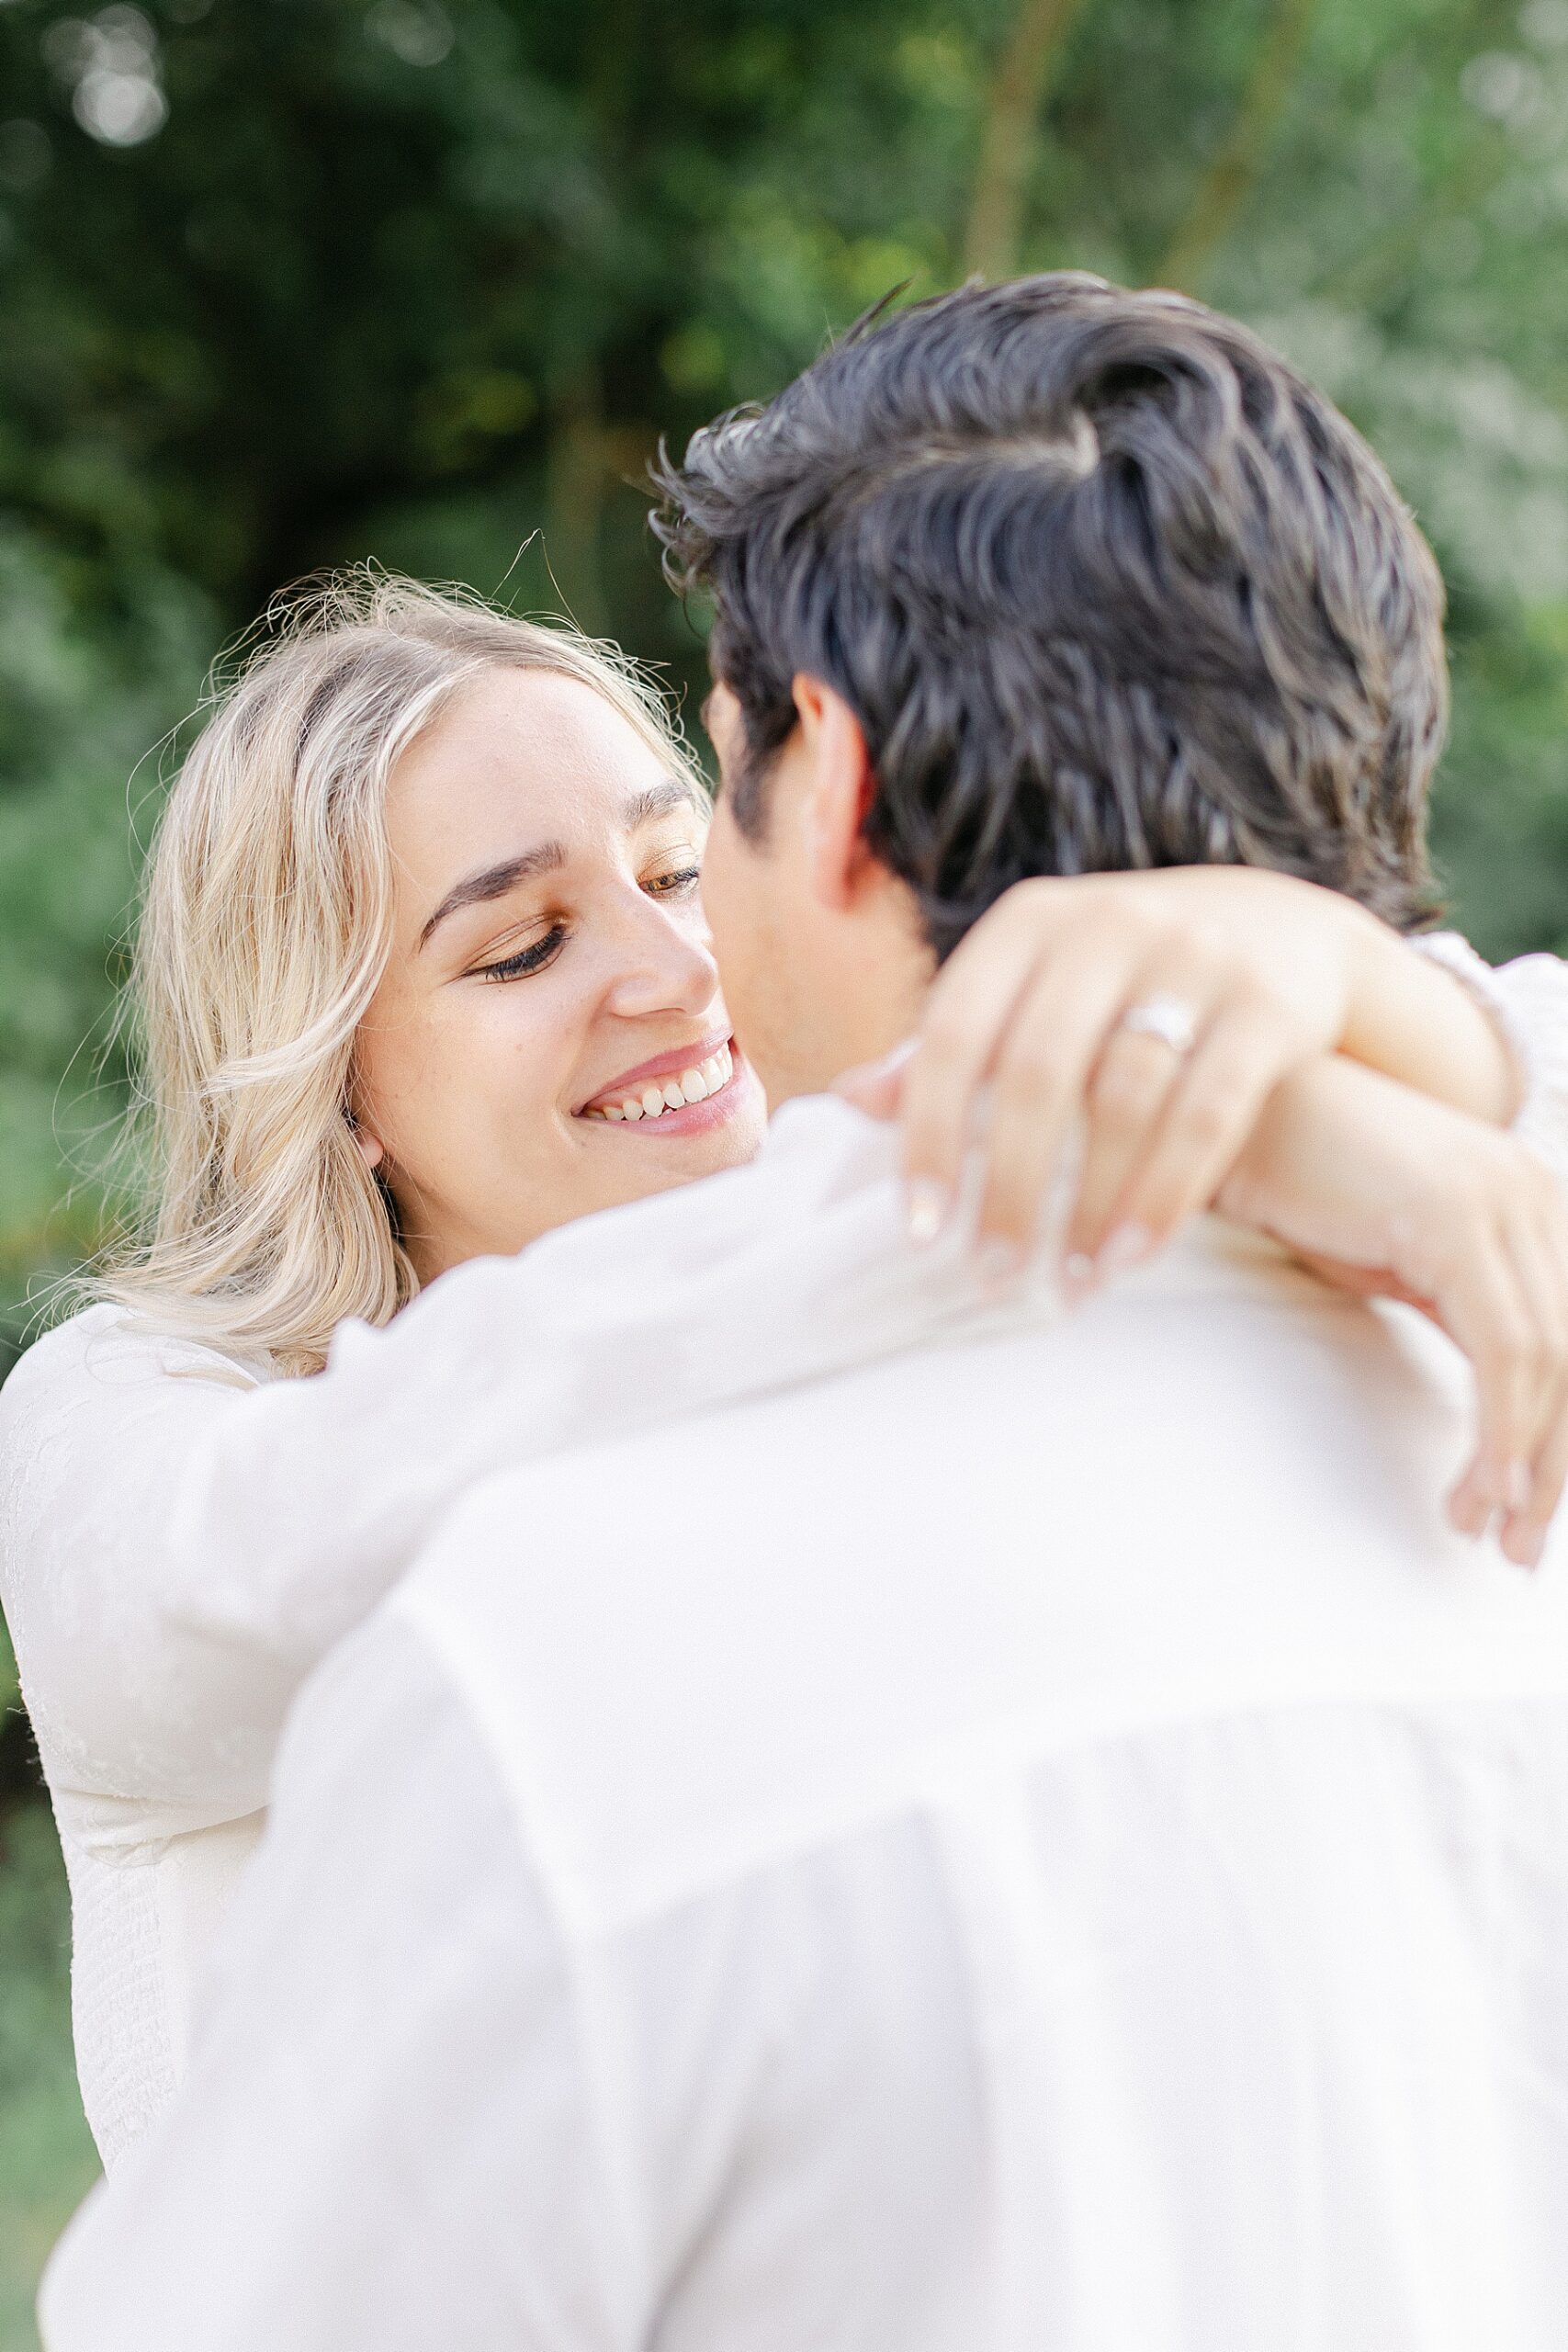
(1416, 1017)
(1449, 952)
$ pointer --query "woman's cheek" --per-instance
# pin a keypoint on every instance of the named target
(527, 1063)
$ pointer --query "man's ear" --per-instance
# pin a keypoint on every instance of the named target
(839, 789)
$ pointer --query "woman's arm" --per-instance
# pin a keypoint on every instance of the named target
(1032, 1009)
(179, 1545)
(1023, 1054)
(180, 1553)
(177, 1554)
(1389, 1195)
(102, 1429)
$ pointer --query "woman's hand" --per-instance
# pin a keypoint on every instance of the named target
(1391, 1195)
(1380, 1187)
(1039, 1011)
(1041, 1020)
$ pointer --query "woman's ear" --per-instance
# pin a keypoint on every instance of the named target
(839, 786)
(371, 1149)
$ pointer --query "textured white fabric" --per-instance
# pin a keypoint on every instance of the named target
(178, 1547)
(1528, 999)
(177, 1551)
(98, 1425)
(1032, 1833)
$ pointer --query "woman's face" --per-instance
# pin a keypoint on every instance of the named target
(551, 996)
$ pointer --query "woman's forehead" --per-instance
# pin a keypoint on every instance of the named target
(524, 747)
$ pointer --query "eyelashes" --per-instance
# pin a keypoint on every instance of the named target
(528, 959)
(544, 951)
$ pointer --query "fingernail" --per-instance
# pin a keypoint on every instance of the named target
(867, 1076)
(927, 1210)
(1469, 1513)
(1470, 1506)
(1526, 1545)
(1126, 1248)
(999, 1262)
(1078, 1276)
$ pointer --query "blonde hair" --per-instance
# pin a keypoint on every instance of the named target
(265, 926)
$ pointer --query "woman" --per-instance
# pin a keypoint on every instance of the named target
(422, 976)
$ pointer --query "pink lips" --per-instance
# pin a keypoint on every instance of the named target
(693, 1118)
(669, 1065)
(738, 1093)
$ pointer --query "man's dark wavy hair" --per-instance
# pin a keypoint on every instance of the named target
(1105, 583)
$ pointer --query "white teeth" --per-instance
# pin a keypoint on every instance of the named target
(693, 1085)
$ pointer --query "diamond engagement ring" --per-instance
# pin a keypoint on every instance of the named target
(1167, 1018)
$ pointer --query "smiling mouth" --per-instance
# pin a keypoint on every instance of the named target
(698, 1083)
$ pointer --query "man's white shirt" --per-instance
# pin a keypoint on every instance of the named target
(982, 1830)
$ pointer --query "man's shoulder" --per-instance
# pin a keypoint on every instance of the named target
(746, 1628)
(1217, 1360)
(383, 1691)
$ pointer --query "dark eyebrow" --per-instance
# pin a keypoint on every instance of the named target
(496, 881)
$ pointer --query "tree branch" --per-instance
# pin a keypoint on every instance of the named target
(1234, 172)
(576, 479)
(1011, 128)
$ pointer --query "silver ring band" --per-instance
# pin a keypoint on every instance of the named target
(1165, 1018)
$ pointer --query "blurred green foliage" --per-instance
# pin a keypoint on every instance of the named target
(46, 2157)
(287, 282)
(47, 2162)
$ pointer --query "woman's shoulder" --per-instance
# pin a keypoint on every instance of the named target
(98, 1420)
(102, 1353)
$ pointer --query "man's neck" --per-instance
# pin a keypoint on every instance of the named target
(860, 1011)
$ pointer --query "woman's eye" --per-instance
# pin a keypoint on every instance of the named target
(673, 885)
(526, 960)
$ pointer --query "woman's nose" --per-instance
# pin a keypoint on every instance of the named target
(668, 965)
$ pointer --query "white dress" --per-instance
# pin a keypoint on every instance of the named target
(179, 1545)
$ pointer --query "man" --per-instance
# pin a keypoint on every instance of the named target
(1101, 1880)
